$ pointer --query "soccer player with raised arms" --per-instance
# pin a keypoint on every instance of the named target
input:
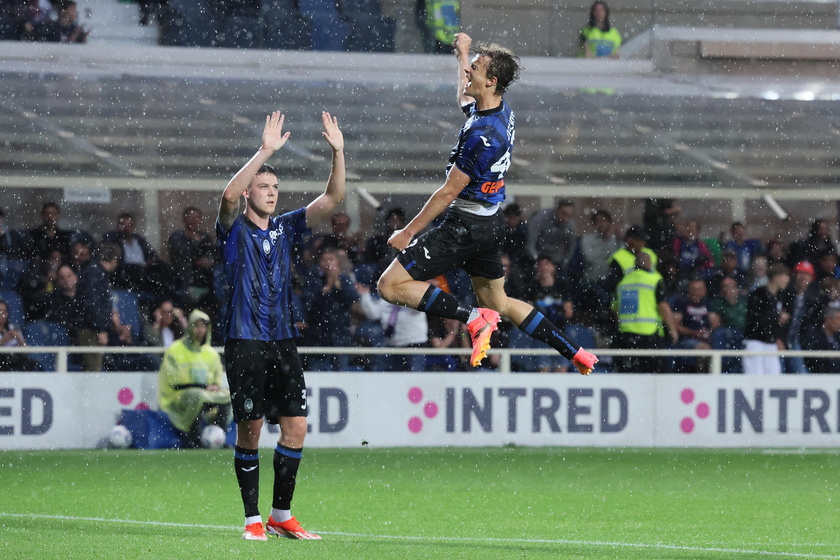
(261, 359)
(472, 231)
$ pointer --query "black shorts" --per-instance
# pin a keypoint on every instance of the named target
(463, 240)
(266, 379)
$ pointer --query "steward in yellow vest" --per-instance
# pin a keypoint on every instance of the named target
(624, 260)
(641, 309)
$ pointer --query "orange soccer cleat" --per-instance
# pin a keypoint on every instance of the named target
(290, 529)
(254, 532)
(584, 361)
(480, 330)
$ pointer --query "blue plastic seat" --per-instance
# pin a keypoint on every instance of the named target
(126, 305)
(45, 333)
(361, 7)
(11, 271)
(286, 30)
(241, 32)
(315, 7)
(370, 33)
(329, 33)
(12, 299)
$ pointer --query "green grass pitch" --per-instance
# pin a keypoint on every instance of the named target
(529, 503)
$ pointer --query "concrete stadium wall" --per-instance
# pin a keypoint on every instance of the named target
(57, 411)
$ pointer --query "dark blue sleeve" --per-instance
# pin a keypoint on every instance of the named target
(295, 222)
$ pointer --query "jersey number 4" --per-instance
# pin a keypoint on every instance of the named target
(502, 165)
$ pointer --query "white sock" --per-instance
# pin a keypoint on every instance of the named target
(253, 519)
(473, 315)
(280, 515)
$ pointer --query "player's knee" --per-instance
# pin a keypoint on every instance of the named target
(385, 288)
(293, 432)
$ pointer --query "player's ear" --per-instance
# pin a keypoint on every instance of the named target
(491, 82)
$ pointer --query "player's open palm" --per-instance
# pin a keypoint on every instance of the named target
(331, 132)
(273, 137)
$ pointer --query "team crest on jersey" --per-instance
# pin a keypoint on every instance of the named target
(266, 246)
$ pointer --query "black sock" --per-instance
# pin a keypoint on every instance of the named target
(437, 302)
(286, 463)
(536, 325)
(246, 462)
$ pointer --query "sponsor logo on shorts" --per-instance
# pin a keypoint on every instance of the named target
(249, 405)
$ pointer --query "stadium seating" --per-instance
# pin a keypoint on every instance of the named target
(189, 23)
(12, 299)
(45, 333)
(369, 30)
(370, 34)
(286, 29)
(11, 271)
(126, 305)
(242, 32)
(729, 338)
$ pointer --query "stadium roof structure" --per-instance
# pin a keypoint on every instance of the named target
(170, 114)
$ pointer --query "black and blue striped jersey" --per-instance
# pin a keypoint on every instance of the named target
(258, 270)
(483, 152)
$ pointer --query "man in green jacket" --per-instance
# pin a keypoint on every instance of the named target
(190, 387)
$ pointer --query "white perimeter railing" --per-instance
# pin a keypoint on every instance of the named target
(715, 356)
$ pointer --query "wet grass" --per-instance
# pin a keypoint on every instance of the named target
(428, 503)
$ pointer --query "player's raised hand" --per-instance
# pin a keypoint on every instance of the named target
(331, 132)
(462, 44)
(273, 137)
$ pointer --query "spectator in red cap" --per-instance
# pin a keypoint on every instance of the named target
(800, 300)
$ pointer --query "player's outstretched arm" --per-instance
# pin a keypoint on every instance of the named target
(321, 207)
(462, 52)
(273, 139)
(437, 203)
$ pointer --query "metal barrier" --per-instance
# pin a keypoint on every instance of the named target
(715, 356)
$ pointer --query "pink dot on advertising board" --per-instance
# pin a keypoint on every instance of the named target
(687, 425)
(415, 394)
(702, 410)
(430, 410)
(125, 395)
(142, 406)
(687, 396)
(415, 425)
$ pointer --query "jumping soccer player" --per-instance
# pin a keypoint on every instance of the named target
(472, 233)
(263, 367)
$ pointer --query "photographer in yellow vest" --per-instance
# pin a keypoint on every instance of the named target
(641, 309)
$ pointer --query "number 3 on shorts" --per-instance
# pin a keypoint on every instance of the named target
(303, 394)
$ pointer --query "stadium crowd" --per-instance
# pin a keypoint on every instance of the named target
(51, 21)
(656, 285)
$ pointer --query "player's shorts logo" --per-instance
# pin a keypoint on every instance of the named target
(266, 246)
(249, 405)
